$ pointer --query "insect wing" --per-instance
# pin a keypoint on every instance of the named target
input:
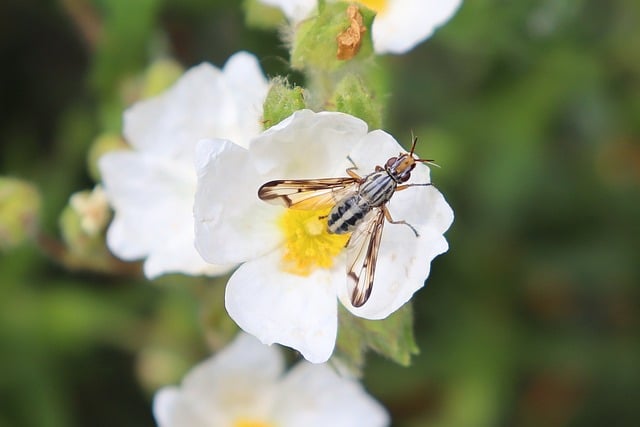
(362, 255)
(307, 194)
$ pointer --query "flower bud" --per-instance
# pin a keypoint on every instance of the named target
(339, 34)
(353, 97)
(282, 100)
(83, 221)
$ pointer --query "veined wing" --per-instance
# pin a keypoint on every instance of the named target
(307, 194)
(362, 255)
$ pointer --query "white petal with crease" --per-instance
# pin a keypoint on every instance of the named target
(275, 306)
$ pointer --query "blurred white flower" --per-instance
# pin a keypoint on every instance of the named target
(245, 385)
(293, 270)
(151, 187)
(399, 25)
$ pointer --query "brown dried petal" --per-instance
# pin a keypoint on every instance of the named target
(349, 40)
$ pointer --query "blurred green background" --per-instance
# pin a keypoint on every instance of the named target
(532, 108)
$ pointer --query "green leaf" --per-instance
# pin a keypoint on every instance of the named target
(391, 337)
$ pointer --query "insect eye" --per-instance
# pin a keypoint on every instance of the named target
(406, 174)
(391, 161)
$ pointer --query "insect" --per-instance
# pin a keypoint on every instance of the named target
(358, 207)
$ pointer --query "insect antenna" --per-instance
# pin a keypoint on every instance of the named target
(413, 147)
(413, 143)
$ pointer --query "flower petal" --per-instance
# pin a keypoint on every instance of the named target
(374, 150)
(172, 409)
(237, 382)
(180, 256)
(232, 224)
(152, 197)
(246, 81)
(274, 306)
(204, 102)
(405, 23)
(244, 363)
(307, 145)
(170, 124)
(152, 189)
(315, 396)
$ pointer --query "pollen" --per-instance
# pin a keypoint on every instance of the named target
(377, 5)
(308, 245)
(251, 423)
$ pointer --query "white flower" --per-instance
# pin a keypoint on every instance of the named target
(293, 270)
(245, 386)
(152, 186)
(399, 25)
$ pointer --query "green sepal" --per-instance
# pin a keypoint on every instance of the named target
(282, 100)
(353, 97)
(391, 337)
(315, 46)
(261, 16)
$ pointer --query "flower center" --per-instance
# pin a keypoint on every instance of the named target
(377, 5)
(308, 245)
(244, 422)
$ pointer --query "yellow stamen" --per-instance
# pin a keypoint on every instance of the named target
(243, 422)
(308, 245)
(377, 5)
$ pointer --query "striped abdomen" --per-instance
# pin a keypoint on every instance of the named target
(349, 212)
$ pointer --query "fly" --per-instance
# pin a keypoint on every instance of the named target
(358, 207)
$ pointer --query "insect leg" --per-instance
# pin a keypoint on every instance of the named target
(405, 186)
(352, 169)
(352, 174)
(352, 162)
(387, 215)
